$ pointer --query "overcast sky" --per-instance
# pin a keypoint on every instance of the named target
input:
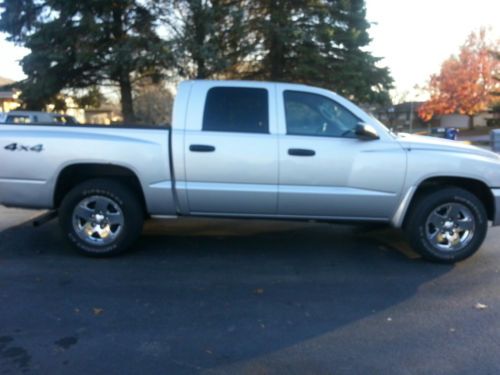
(413, 37)
(9, 58)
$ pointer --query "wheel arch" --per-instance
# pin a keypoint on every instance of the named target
(477, 187)
(74, 174)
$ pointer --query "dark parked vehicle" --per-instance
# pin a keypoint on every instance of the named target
(65, 119)
(446, 133)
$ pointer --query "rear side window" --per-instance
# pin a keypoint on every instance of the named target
(236, 109)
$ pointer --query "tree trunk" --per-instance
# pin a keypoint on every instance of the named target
(122, 74)
(199, 19)
(471, 122)
(276, 48)
(201, 70)
(126, 99)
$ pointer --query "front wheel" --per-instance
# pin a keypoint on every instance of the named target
(101, 217)
(447, 225)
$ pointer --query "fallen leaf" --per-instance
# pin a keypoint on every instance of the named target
(98, 311)
(481, 306)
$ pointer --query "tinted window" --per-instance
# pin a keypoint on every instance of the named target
(312, 114)
(236, 109)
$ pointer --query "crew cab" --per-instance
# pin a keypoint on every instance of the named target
(244, 149)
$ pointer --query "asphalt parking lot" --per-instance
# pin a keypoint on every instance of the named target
(244, 297)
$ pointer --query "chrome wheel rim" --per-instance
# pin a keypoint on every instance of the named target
(98, 220)
(450, 227)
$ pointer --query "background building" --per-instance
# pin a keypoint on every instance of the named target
(106, 114)
(8, 97)
(402, 117)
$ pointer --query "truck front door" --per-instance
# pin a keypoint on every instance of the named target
(325, 170)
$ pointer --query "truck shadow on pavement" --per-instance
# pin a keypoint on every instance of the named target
(194, 295)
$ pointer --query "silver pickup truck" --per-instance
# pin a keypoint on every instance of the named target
(252, 150)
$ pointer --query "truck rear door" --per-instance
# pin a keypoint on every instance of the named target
(231, 149)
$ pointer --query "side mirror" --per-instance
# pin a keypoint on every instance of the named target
(366, 132)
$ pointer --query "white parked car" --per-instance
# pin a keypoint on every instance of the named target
(28, 117)
(36, 117)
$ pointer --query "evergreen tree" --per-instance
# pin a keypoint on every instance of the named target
(319, 42)
(83, 44)
(209, 37)
(79, 44)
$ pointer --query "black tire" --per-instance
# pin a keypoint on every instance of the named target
(418, 228)
(119, 199)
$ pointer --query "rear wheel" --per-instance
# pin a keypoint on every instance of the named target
(447, 225)
(101, 217)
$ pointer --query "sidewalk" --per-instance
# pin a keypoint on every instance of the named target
(475, 138)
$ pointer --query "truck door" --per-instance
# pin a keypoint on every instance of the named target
(231, 153)
(325, 170)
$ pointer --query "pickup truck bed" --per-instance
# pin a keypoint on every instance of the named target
(69, 154)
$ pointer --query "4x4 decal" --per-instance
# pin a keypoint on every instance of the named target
(19, 147)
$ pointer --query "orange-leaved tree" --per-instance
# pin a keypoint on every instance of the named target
(496, 76)
(465, 83)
